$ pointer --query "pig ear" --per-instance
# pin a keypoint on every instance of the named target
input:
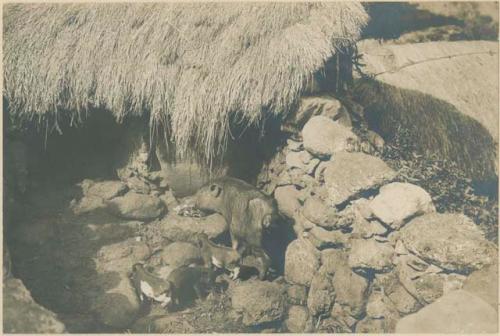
(215, 190)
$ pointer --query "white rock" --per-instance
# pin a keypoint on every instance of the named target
(324, 137)
(397, 202)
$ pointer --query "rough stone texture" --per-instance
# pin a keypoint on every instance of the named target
(259, 301)
(376, 326)
(297, 294)
(301, 262)
(297, 320)
(324, 137)
(117, 304)
(322, 238)
(397, 202)
(321, 294)
(287, 198)
(484, 284)
(87, 204)
(301, 224)
(333, 259)
(457, 312)
(138, 185)
(119, 257)
(319, 212)
(429, 287)
(350, 289)
(452, 242)
(362, 228)
(137, 206)
(294, 146)
(162, 324)
(179, 228)
(328, 107)
(403, 301)
(21, 314)
(343, 317)
(453, 282)
(113, 231)
(179, 254)
(369, 254)
(298, 159)
(105, 190)
(348, 174)
(379, 306)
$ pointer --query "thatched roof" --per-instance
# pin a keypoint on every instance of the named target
(445, 93)
(463, 73)
(191, 66)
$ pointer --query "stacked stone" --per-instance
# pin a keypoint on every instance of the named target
(369, 251)
(115, 224)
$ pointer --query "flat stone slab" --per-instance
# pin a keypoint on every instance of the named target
(450, 241)
(398, 202)
(457, 312)
(348, 174)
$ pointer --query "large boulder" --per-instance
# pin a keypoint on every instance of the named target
(21, 314)
(259, 301)
(137, 206)
(450, 241)
(370, 255)
(484, 284)
(457, 312)
(323, 137)
(302, 261)
(398, 202)
(348, 174)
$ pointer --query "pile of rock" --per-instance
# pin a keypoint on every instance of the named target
(86, 251)
(369, 251)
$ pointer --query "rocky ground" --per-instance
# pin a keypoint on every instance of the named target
(359, 249)
(371, 254)
(366, 255)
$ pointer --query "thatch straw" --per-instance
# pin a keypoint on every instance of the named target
(435, 126)
(193, 67)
